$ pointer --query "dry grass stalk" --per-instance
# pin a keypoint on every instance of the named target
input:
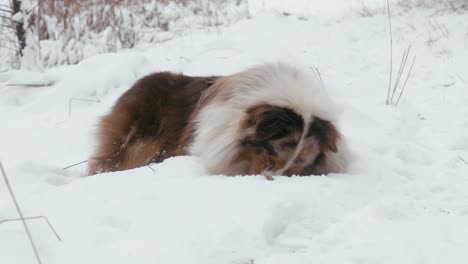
(151, 168)
(396, 86)
(32, 218)
(466, 162)
(406, 80)
(391, 52)
(404, 59)
(31, 85)
(318, 76)
(76, 164)
(78, 99)
(20, 213)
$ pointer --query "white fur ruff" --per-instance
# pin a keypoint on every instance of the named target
(218, 124)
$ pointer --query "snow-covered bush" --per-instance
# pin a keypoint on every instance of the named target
(371, 8)
(68, 31)
(444, 6)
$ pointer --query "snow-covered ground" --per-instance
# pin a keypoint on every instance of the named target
(404, 201)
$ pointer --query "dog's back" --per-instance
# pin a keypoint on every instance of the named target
(147, 122)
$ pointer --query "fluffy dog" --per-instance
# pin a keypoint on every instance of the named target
(271, 119)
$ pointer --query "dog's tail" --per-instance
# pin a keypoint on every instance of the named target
(120, 147)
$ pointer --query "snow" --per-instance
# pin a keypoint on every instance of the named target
(404, 201)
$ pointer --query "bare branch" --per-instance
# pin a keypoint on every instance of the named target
(34, 7)
(6, 26)
(20, 213)
(12, 41)
(6, 10)
(8, 18)
(32, 218)
(8, 48)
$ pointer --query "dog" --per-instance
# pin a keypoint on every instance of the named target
(270, 119)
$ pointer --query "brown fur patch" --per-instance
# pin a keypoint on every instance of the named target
(147, 122)
(326, 132)
(327, 136)
(271, 134)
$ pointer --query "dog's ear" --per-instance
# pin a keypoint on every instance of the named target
(326, 132)
(272, 122)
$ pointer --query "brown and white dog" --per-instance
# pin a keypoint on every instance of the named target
(272, 119)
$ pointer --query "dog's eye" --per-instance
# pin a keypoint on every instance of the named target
(289, 144)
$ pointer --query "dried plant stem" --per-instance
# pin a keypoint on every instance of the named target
(78, 99)
(31, 84)
(319, 76)
(76, 164)
(32, 218)
(401, 69)
(404, 59)
(20, 213)
(466, 162)
(391, 53)
(149, 166)
(406, 80)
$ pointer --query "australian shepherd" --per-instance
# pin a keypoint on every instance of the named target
(271, 119)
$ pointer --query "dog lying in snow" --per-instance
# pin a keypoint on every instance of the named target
(272, 119)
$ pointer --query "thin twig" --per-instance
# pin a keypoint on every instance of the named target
(32, 218)
(8, 48)
(78, 99)
(7, 18)
(391, 52)
(6, 26)
(466, 162)
(463, 80)
(151, 168)
(31, 84)
(406, 80)
(32, 8)
(20, 213)
(76, 164)
(400, 71)
(320, 77)
(395, 86)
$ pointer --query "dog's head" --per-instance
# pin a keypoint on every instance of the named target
(277, 140)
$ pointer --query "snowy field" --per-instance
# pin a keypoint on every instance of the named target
(404, 201)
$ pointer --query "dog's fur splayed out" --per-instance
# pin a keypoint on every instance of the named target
(272, 119)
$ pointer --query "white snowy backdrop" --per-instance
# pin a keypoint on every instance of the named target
(404, 201)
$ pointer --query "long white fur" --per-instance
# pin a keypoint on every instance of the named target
(218, 125)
